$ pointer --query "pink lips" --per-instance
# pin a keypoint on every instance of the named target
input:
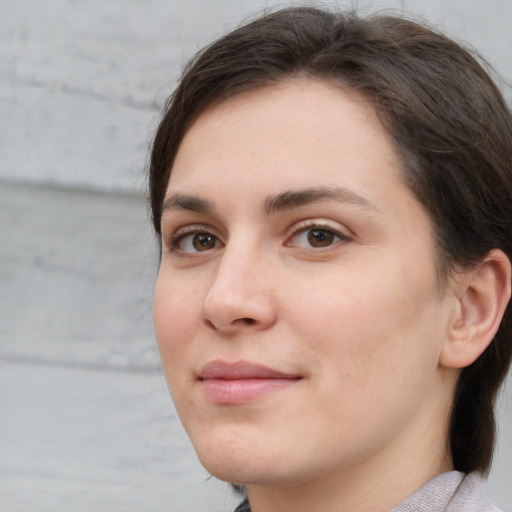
(240, 382)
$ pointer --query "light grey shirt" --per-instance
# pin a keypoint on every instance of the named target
(450, 492)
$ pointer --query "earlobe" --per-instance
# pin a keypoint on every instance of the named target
(482, 297)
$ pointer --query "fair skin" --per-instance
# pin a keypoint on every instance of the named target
(302, 329)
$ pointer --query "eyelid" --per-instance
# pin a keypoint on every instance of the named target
(320, 223)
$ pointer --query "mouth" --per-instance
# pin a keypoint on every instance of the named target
(225, 383)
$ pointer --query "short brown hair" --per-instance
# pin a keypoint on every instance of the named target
(449, 122)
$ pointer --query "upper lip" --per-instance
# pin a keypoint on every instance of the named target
(240, 370)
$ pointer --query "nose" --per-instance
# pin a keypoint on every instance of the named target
(241, 296)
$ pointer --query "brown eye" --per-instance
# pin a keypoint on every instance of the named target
(320, 237)
(203, 241)
(194, 242)
(316, 237)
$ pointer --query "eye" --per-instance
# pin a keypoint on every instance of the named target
(195, 241)
(316, 237)
(320, 237)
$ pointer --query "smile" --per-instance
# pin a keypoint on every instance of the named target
(241, 382)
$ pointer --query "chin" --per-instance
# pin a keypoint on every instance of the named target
(227, 461)
(241, 461)
(232, 468)
(249, 472)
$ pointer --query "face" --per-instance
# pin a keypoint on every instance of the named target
(297, 309)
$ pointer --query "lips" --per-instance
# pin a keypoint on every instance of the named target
(240, 382)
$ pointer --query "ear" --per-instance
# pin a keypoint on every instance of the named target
(482, 295)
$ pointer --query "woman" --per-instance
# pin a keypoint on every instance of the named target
(333, 200)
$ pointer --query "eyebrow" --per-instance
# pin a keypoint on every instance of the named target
(275, 203)
(296, 198)
(184, 202)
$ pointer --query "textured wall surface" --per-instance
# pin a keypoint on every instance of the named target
(86, 421)
(82, 82)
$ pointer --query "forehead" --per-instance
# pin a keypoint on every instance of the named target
(300, 130)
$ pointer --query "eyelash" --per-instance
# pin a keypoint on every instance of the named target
(298, 229)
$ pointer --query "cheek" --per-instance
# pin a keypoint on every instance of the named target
(371, 324)
(373, 355)
(175, 313)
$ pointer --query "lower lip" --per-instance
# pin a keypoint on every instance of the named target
(240, 391)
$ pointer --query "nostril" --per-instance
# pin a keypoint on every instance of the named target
(209, 323)
(239, 321)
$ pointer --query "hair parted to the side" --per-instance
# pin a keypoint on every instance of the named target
(448, 120)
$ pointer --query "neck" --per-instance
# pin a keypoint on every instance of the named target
(375, 491)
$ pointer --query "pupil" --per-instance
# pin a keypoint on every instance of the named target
(320, 237)
(203, 241)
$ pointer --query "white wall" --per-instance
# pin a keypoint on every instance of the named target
(82, 82)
